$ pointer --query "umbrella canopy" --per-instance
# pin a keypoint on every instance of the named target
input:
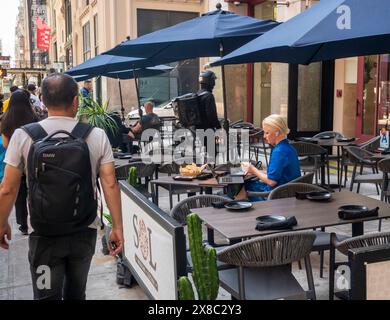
(128, 74)
(199, 37)
(104, 64)
(329, 30)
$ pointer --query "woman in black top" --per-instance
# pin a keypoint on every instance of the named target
(19, 113)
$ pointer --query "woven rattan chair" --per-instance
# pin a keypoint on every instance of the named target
(368, 240)
(290, 189)
(370, 145)
(361, 158)
(264, 267)
(312, 154)
(145, 172)
(384, 166)
(322, 242)
(307, 178)
(184, 207)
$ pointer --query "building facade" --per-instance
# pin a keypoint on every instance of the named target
(348, 95)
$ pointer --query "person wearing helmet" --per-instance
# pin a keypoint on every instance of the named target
(207, 106)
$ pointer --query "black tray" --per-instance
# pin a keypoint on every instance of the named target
(319, 196)
(181, 178)
(271, 219)
(239, 205)
(204, 176)
(351, 212)
(346, 139)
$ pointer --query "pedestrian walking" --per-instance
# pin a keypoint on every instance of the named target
(62, 197)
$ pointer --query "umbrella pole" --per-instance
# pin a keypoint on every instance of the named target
(137, 92)
(225, 118)
(121, 98)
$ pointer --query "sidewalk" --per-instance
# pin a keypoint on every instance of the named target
(15, 280)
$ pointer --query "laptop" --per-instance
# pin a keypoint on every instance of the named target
(235, 178)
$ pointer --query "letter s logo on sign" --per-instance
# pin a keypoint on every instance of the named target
(344, 21)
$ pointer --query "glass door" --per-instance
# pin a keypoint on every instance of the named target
(373, 103)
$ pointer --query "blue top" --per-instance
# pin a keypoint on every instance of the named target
(283, 168)
(284, 164)
(85, 93)
(2, 164)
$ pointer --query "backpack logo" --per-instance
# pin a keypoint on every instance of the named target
(49, 155)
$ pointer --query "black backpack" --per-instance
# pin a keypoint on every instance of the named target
(61, 198)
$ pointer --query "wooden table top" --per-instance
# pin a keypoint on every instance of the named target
(194, 183)
(329, 142)
(234, 225)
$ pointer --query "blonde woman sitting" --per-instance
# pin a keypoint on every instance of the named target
(283, 166)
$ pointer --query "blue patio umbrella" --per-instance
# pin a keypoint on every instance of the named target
(106, 63)
(118, 68)
(329, 30)
(211, 35)
(127, 74)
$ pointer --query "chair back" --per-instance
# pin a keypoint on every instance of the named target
(371, 144)
(307, 178)
(269, 251)
(144, 170)
(368, 240)
(184, 207)
(305, 149)
(358, 155)
(334, 134)
(384, 165)
(290, 189)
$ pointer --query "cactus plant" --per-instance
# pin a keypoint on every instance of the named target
(132, 177)
(205, 273)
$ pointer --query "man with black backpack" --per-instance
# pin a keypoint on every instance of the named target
(62, 159)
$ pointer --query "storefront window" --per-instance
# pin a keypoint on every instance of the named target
(369, 95)
(184, 78)
(384, 91)
(309, 97)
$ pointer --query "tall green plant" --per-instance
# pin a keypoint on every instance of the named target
(97, 115)
(205, 273)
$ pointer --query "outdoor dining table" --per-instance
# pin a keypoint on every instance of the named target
(170, 183)
(330, 143)
(236, 226)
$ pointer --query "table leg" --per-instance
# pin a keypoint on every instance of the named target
(210, 236)
(357, 229)
(323, 182)
(338, 167)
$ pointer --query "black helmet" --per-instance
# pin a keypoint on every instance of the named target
(207, 77)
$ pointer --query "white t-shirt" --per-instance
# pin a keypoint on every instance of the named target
(97, 141)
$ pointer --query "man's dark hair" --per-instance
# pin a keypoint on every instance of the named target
(31, 87)
(59, 90)
(13, 89)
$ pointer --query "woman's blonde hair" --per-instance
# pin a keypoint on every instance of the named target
(277, 122)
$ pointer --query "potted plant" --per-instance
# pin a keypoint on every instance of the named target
(97, 115)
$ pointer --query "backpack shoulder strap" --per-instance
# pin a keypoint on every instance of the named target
(82, 130)
(35, 131)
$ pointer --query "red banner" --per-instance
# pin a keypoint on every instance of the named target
(43, 35)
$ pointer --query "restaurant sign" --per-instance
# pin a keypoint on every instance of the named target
(152, 245)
